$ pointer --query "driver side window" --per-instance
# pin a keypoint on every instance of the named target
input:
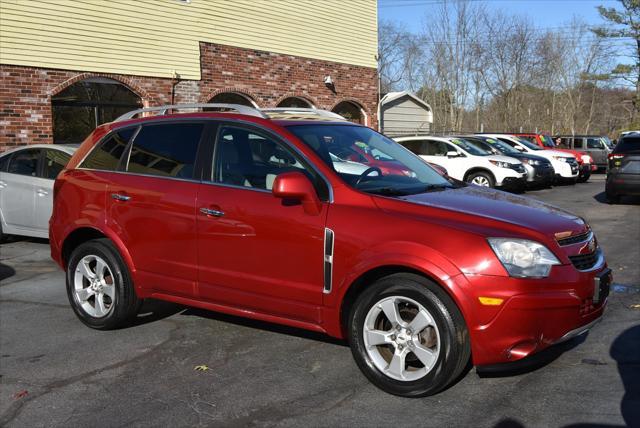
(248, 159)
(436, 148)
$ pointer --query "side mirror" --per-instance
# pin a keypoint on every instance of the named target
(295, 186)
(453, 154)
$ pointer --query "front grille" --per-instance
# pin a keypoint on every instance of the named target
(585, 261)
(574, 239)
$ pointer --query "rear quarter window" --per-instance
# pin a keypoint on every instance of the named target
(106, 156)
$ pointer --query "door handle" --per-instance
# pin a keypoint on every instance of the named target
(210, 212)
(119, 197)
(42, 192)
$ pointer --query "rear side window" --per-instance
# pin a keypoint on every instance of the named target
(167, 150)
(54, 162)
(627, 145)
(24, 162)
(578, 143)
(106, 156)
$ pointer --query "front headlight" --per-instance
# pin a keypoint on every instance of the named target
(523, 258)
(561, 158)
(501, 164)
(586, 159)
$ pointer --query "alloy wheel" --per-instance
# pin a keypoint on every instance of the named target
(401, 338)
(94, 287)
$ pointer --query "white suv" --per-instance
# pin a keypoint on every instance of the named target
(565, 164)
(465, 161)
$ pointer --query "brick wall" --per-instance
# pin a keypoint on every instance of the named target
(266, 77)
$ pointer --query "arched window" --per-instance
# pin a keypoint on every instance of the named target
(233, 98)
(351, 111)
(295, 102)
(79, 108)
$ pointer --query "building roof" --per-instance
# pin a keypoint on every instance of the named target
(391, 96)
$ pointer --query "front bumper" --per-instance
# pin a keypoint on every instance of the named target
(514, 183)
(542, 174)
(534, 314)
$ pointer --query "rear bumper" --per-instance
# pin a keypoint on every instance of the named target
(535, 313)
(623, 184)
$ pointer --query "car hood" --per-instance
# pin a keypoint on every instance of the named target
(575, 153)
(502, 207)
(501, 158)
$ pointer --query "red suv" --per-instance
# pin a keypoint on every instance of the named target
(585, 162)
(241, 213)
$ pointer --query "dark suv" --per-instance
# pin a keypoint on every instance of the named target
(623, 172)
(252, 213)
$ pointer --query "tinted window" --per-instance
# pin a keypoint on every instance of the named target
(167, 150)
(108, 153)
(437, 148)
(627, 145)
(246, 158)
(54, 162)
(24, 162)
(578, 143)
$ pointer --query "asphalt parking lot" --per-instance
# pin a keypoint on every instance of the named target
(55, 371)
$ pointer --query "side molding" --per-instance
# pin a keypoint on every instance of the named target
(328, 260)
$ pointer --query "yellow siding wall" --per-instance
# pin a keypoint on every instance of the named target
(158, 37)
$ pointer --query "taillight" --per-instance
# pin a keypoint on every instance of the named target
(613, 156)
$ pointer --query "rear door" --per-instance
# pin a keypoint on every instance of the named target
(151, 205)
(256, 251)
(18, 191)
(53, 161)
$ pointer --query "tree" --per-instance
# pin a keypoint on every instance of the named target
(626, 25)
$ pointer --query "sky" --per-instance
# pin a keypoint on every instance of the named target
(544, 13)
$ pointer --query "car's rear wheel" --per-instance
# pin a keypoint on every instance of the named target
(408, 336)
(99, 286)
(480, 178)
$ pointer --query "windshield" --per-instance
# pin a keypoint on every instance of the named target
(608, 142)
(469, 147)
(412, 175)
(528, 144)
(500, 146)
(547, 141)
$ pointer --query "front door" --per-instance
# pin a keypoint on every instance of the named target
(151, 206)
(256, 251)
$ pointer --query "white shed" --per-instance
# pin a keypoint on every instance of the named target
(403, 113)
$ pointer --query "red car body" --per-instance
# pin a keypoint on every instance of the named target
(546, 142)
(263, 260)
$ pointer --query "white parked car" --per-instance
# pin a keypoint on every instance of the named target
(26, 187)
(565, 165)
(465, 161)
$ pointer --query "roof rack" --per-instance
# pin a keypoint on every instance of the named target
(304, 112)
(162, 110)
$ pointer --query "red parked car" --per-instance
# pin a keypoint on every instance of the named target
(243, 214)
(585, 162)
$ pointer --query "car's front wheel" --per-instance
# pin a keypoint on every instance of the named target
(99, 286)
(481, 178)
(408, 336)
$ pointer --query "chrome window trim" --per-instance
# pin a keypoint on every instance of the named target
(235, 186)
(138, 174)
(588, 238)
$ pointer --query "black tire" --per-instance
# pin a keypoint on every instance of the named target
(454, 344)
(125, 304)
(584, 178)
(487, 176)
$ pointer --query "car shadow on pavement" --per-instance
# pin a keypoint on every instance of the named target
(6, 272)
(624, 200)
(531, 363)
(263, 325)
(155, 310)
